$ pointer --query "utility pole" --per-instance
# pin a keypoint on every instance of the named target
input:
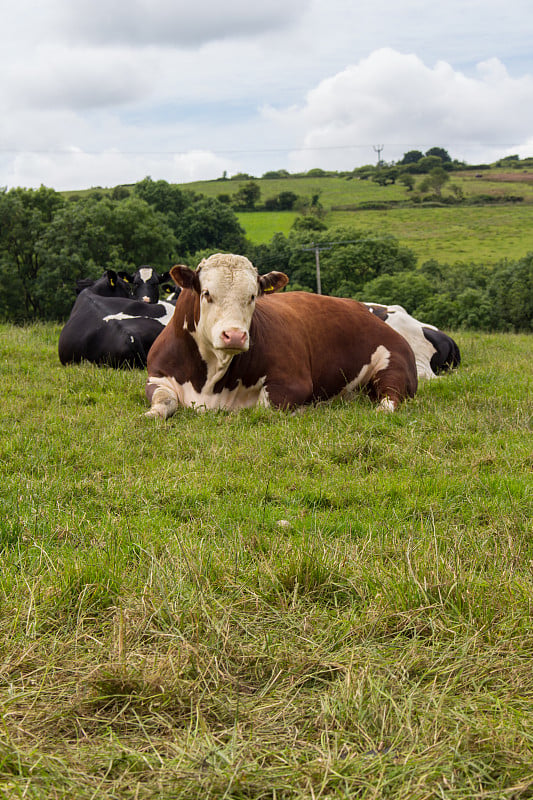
(378, 148)
(317, 248)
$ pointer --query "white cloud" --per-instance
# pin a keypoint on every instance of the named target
(70, 169)
(82, 78)
(107, 91)
(395, 99)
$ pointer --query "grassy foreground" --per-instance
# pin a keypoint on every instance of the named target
(332, 604)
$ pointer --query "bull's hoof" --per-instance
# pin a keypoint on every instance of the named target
(156, 412)
(387, 405)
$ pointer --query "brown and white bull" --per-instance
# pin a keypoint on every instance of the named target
(229, 347)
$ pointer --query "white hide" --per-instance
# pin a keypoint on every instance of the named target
(378, 360)
(169, 395)
(164, 320)
(411, 329)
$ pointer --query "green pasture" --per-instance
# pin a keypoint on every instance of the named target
(330, 604)
(457, 233)
(348, 190)
(488, 232)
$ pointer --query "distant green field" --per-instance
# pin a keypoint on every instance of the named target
(260, 226)
(458, 233)
(486, 233)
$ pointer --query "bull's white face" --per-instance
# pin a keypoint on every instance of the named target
(228, 291)
(228, 286)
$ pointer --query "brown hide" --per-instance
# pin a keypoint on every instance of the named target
(308, 346)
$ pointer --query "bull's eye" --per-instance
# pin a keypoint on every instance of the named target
(207, 296)
(252, 298)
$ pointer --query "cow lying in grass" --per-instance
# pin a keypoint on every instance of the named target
(435, 351)
(230, 345)
(107, 326)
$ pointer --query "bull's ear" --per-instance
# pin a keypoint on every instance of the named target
(272, 282)
(162, 277)
(185, 277)
(125, 276)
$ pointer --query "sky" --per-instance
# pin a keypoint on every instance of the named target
(104, 92)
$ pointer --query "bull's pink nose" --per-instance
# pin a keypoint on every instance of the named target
(234, 338)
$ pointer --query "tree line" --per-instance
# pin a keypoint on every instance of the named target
(48, 242)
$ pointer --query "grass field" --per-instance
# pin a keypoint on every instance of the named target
(486, 233)
(332, 604)
(461, 233)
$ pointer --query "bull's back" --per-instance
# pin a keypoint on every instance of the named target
(325, 343)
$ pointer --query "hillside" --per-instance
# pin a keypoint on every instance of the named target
(488, 226)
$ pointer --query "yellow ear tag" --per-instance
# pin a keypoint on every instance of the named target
(270, 289)
(111, 282)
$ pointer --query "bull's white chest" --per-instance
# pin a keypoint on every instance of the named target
(170, 394)
(228, 399)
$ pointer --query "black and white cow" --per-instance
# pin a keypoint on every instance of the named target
(434, 350)
(107, 326)
(146, 284)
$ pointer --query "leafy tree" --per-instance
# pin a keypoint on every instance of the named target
(276, 174)
(385, 175)
(247, 196)
(286, 200)
(407, 179)
(411, 157)
(24, 215)
(46, 244)
(120, 193)
(209, 224)
(435, 181)
(428, 163)
(309, 223)
(198, 222)
(348, 259)
(441, 153)
(165, 197)
(274, 255)
(409, 289)
(510, 289)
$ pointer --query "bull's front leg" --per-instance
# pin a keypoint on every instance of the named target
(163, 396)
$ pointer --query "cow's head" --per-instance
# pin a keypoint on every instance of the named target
(228, 286)
(111, 284)
(145, 283)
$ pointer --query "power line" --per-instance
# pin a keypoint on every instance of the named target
(68, 151)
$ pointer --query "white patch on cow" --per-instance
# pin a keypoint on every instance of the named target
(411, 329)
(387, 405)
(145, 274)
(164, 320)
(170, 394)
(169, 308)
(120, 316)
(378, 360)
